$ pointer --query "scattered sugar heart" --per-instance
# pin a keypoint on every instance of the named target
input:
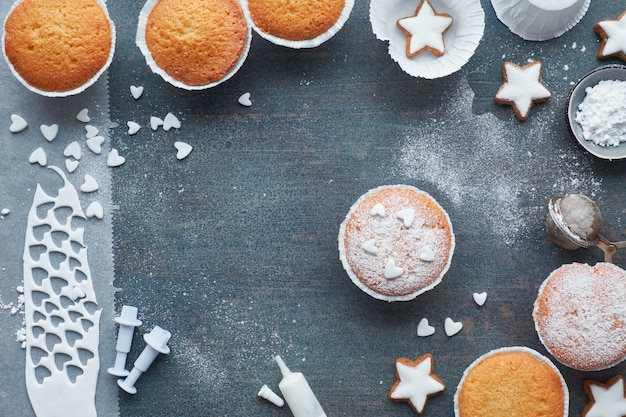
(17, 124)
(83, 116)
(424, 329)
(89, 185)
(391, 270)
(155, 122)
(136, 91)
(184, 149)
(49, 132)
(452, 327)
(244, 100)
(170, 121)
(91, 131)
(115, 159)
(73, 150)
(427, 254)
(95, 210)
(133, 128)
(407, 216)
(480, 298)
(378, 210)
(370, 246)
(38, 157)
(71, 165)
(95, 144)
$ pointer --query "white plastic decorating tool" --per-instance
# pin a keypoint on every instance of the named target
(127, 321)
(266, 393)
(157, 343)
(298, 394)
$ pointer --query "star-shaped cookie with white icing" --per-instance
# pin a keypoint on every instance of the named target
(424, 30)
(613, 35)
(522, 87)
(415, 382)
(605, 400)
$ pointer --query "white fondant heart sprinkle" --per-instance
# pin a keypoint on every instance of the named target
(90, 185)
(427, 254)
(95, 144)
(244, 100)
(370, 247)
(95, 210)
(49, 132)
(170, 122)
(83, 116)
(424, 329)
(115, 159)
(77, 293)
(71, 165)
(38, 157)
(452, 327)
(391, 270)
(155, 122)
(133, 128)
(480, 298)
(183, 149)
(17, 124)
(91, 131)
(136, 91)
(407, 216)
(73, 150)
(378, 210)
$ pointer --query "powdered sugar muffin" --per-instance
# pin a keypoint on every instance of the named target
(512, 381)
(396, 242)
(194, 44)
(58, 48)
(580, 315)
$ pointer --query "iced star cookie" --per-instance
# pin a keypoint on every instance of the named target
(580, 315)
(415, 382)
(512, 381)
(424, 30)
(396, 242)
(522, 87)
(605, 400)
(613, 36)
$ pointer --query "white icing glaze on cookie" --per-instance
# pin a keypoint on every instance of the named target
(416, 382)
(613, 33)
(606, 400)
(60, 309)
(522, 87)
(425, 30)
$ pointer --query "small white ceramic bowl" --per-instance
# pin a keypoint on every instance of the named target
(577, 95)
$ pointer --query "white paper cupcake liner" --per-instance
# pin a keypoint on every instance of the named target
(522, 349)
(74, 91)
(540, 20)
(140, 41)
(307, 43)
(461, 39)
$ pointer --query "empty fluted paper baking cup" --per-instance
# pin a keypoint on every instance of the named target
(85, 38)
(194, 61)
(461, 39)
(540, 20)
(286, 20)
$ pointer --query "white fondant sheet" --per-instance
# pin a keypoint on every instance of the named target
(18, 182)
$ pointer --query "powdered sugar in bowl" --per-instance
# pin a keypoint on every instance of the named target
(596, 112)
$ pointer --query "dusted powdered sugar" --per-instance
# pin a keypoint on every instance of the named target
(602, 114)
(580, 315)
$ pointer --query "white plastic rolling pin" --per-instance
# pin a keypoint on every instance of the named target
(298, 394)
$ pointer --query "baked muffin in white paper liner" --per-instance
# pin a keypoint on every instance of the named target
(540, 20)
(74, 91)
(140, 41)
(461, 39)
(305, 43)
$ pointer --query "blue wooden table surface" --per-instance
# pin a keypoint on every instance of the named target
(234, 248)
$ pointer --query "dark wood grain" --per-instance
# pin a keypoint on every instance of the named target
(234, 248)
